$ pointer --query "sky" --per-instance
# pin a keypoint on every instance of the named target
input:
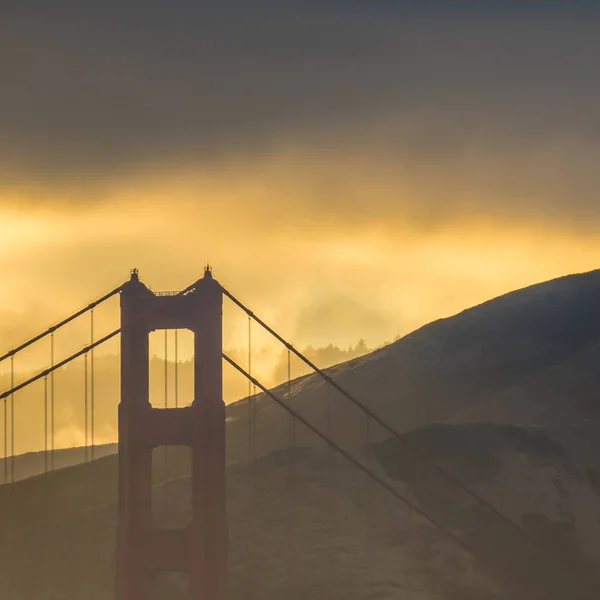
(349, 169)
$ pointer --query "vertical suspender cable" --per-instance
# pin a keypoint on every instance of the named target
(253, 419)
(85, 406)
(45, 424)
(291, 558)
(252, 559)
(289, 382)
(331, 457)
(250, 399)
(5, 423)
(176, 370)
(166, 370)
(407, 578)
(166, 456)
(92, 384)
(176, 474)
(51, 402)
(289, 377)
(12, 420)
(369, 502)
(254, 424)
(328, 410)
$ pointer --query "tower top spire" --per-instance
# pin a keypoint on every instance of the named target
(135, 275)
(208, 271)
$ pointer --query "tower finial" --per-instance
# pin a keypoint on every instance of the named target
(135, 275)
(208, 271)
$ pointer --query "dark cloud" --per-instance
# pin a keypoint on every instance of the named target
(470, 98)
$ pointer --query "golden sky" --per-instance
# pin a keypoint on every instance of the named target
(350, 172)
(317, 275)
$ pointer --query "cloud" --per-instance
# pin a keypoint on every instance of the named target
(100, 91)
(315, 110)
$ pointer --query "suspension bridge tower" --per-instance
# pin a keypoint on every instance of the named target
(200, 549)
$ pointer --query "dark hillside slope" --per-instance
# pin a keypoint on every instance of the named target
(505, 396)
(305, 524)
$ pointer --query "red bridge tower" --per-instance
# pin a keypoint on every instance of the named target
(200, 550)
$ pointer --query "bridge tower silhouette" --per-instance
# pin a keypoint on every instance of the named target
(199, 550)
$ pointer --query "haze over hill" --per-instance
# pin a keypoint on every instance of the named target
(504, 396)
(269, 365)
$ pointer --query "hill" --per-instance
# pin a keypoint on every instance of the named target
(503, 396)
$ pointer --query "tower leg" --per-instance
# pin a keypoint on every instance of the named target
(201, 549)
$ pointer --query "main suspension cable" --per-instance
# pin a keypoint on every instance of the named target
(9, 423)
(67, 360)
(62, 363)
(387, 427)
(358, 464)
(424, 456)
(50, 330)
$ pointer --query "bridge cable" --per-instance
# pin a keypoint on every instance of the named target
(70, 318)
(251, 404)
(166, 405)
(9, 394)
(176, 390)
(46, 424)
(52, 402)
(15, 388)
(292, 478)
(252, 458)
(333, 473)
(85, 407)
(401, 438)
(370, 525)
(92, 386)
(89, 348)
(357, 463)
(5, 423)
(407, 576)
(12, 420)
(289, 394)
(255, 476)
(424, 456)
(250, 412)
(254, 425)
(176, 370)
(62, 363)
